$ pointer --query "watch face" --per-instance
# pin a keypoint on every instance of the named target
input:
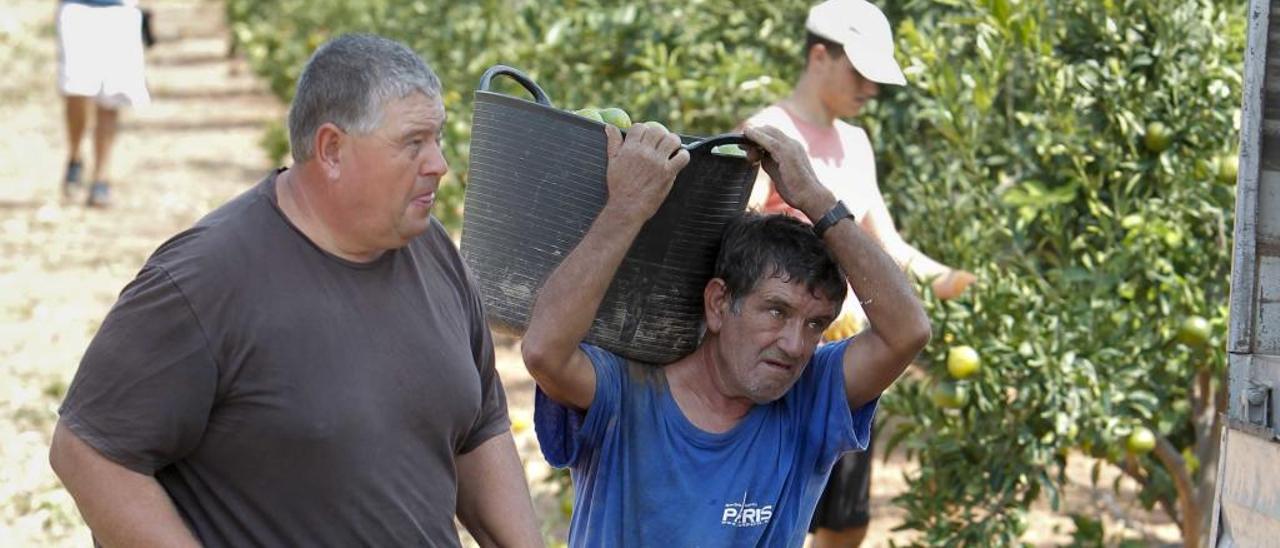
(837, 212)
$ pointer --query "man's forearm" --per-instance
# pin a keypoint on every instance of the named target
(121, 507)
(568, 301)
(493, 495)
(916, 263)
(891, 306)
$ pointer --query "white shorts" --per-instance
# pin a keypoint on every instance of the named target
(100, 54)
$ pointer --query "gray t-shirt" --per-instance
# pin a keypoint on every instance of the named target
(286, 397)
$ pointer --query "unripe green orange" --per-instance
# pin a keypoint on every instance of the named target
(1157, 137)
(616, 116)
(950, 395)
(963, 362)
(590, 114)
(1141, 441)
(1194, 331)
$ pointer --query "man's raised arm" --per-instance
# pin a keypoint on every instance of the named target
(899, 327)
(640, 173)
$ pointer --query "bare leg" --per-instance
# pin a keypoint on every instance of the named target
(77, 112)
(104, 136)
(844, 538)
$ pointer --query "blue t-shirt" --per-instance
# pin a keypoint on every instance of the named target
(643, 475)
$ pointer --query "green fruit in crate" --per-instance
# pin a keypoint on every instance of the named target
(657, 125)
(616, 116)
(590, 114)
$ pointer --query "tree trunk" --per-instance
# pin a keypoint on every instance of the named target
(1188, 507)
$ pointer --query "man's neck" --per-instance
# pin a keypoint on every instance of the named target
(303, 205)
(806, 104)
(700, 393)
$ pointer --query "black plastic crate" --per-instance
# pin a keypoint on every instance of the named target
(537, 182)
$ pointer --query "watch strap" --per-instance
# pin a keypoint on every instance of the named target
(833, 216)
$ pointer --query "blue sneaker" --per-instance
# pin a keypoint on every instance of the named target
(71, 181)
(99, 194)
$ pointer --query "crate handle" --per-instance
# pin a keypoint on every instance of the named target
(722, 139)
(521, 78)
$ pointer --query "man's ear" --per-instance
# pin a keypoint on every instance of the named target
(818, 53)
(328, 143)
(715, 303)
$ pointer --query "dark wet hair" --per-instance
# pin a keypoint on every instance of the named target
(755, 247)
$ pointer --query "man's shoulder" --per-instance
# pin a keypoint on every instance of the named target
(437, 246)
(771, 112)
(851, 133)
(850, 129)
(617, 369)
(830, 354)
(436, 238)
(603, 357)
(825, 366)
(220, 238)
(774, 116)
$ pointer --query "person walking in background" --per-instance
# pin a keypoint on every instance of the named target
(848, 55)
(100, 61)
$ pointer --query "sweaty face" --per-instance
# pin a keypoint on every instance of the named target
(845, 91)
(390, 176)
(765, 345)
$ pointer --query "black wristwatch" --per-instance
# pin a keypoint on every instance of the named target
(837, 213)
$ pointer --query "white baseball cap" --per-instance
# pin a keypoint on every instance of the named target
(862, 29)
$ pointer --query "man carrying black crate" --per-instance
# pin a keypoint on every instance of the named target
(732, 444)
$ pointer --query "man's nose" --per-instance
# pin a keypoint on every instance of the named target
(792, 340)
(434, 165)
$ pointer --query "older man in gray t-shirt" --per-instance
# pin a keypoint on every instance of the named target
(309, 364)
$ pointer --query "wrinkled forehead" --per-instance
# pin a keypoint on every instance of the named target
(778, 286)
(415, 111)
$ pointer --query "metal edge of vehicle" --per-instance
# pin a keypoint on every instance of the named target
(1246, 509)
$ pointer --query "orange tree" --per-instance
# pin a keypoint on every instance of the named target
(1076, 154)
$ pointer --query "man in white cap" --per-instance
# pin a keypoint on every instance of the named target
(848, 55)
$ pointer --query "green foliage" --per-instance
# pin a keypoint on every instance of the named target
(1019, 152)
(699, 67)
(275, 142)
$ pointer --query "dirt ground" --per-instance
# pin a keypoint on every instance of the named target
(61, 266)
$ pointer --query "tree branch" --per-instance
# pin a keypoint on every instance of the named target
(1173, 462)
(1130, 468)
(1206, 448)
(1200, 393)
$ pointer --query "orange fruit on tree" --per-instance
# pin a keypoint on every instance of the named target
(963, 362)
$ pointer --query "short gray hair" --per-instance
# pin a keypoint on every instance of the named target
(348, 81)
